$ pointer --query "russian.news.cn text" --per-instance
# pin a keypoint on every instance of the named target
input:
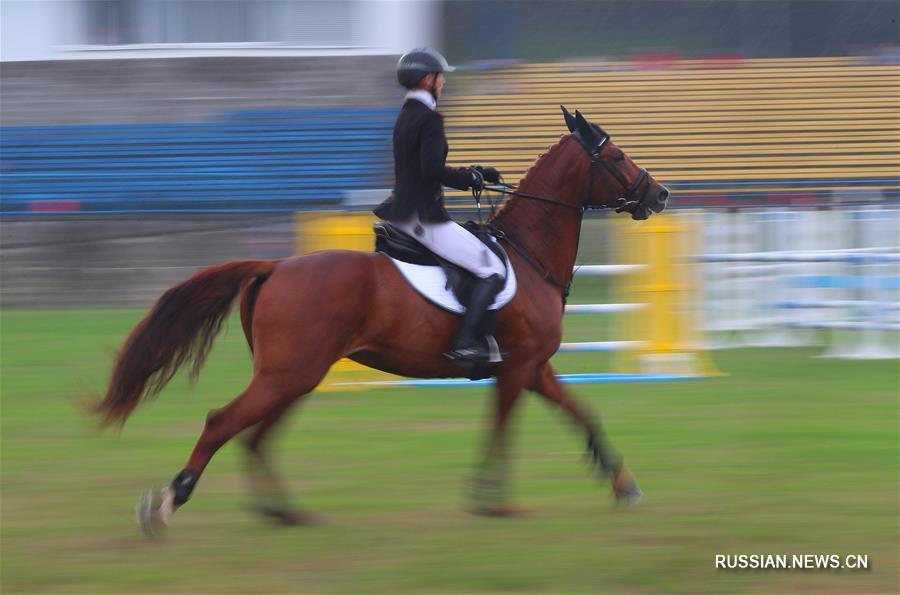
(792, 561)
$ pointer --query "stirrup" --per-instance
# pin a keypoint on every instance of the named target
(476, 354)
(494, 355)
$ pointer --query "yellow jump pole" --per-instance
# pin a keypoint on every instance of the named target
(667, 283)
(338, 230)
(334, 230)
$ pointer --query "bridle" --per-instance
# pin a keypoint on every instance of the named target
(597, 163)
(594, 151)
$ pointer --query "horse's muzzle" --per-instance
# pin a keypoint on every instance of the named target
(657, 197)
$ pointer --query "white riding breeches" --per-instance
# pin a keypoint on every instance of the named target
(452, 242)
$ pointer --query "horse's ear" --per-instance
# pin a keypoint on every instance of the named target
(570, 119)
(582, 125)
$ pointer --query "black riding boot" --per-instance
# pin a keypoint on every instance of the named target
(469, 347)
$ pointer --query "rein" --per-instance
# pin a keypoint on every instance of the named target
(504, 189)
(544, 273)
(500, 234)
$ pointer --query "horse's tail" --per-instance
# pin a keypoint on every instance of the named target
(180, 327)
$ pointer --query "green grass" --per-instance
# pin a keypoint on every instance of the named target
(788, 454)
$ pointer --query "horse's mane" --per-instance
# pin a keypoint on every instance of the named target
(539, 162)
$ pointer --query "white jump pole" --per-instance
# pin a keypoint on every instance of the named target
(603, 270)
(849, 291)
(874, 230)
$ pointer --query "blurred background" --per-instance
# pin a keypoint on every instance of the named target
(141, 140)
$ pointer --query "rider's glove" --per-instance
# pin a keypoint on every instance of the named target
(477, 181)
(490, 174)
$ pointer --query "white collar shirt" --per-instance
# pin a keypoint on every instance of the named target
(423, 96)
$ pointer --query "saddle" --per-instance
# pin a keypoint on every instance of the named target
(441, 282)
(400, 246)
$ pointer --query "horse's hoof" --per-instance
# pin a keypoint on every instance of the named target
(148, 516)
(293, 518)
(288, 518)
(502, 512)
(632, 494)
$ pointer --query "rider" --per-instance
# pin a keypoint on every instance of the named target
(416, 205)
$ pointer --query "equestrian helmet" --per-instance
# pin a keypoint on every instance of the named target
(415, 64)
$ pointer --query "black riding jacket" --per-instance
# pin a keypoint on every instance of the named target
(420, 170)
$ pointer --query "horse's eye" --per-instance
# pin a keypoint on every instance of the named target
(619, 156)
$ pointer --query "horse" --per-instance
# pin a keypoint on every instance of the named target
(301, 314)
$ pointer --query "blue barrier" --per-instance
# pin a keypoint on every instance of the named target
(779, 257)
(844, 282)
(161, 162)
(306, 134)
(786, 182)
(566, 378)
(252, 161)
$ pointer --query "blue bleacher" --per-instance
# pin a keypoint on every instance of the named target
(250, 161)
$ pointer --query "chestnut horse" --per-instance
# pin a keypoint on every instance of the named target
(302, 314)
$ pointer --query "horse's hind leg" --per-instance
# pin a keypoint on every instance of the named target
(263, 397)
(599, 448)
(269, 496)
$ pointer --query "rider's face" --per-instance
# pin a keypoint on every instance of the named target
(437, 79)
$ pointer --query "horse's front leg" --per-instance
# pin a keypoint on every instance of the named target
(490, 485)
(601, 451)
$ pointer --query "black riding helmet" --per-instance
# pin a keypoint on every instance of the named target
(415, 64)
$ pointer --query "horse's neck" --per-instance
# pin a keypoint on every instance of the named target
(547, 233)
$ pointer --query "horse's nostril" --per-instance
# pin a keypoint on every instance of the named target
(663, 195)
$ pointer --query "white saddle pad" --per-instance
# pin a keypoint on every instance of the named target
(431, 282)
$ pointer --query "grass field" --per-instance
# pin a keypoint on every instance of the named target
(787, 454)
